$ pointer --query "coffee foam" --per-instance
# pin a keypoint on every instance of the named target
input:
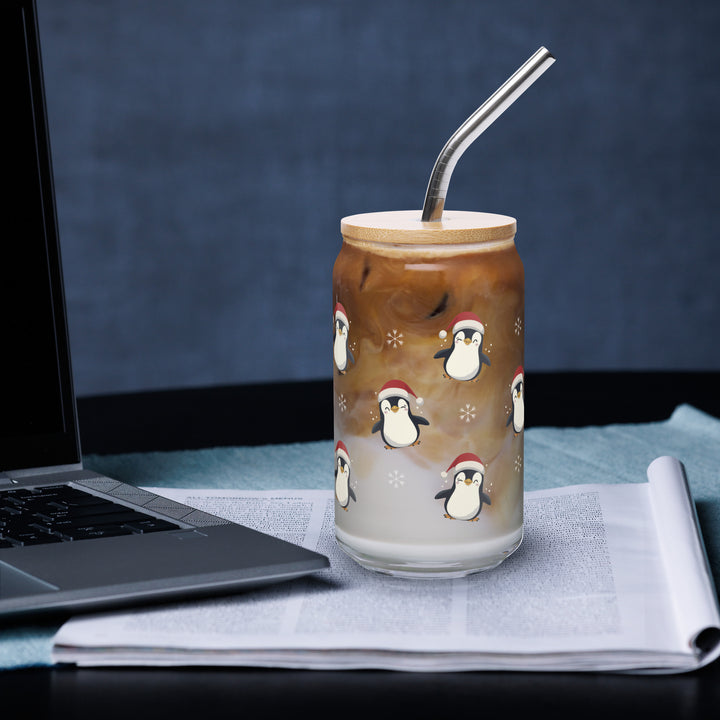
(431, 250)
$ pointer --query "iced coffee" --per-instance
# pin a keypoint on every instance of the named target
(428, 328)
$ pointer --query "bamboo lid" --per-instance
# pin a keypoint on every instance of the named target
(405, 227)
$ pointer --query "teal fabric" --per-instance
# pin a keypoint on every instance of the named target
(553, 457)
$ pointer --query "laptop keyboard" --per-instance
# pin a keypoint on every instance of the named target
(61, 513)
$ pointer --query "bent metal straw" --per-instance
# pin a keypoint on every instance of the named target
(475, 125)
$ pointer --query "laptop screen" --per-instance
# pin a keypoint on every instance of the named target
(37, 413)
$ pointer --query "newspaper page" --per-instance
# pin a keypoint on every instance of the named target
(588, 589)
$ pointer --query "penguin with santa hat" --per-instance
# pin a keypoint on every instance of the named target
(517, 391)
(465, 498)
(343, 492)
(464, 360)
(341, 329)
(397, 425)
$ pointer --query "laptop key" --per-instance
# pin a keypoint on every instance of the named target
(117, 518)
(52, 513)
(92, 531)
(32, 538)
(151, 525)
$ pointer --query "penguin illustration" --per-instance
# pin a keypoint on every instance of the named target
(464, 500)
(464, 360)
(341, 352)
(397, 425)
(517, 390)
(343, 491)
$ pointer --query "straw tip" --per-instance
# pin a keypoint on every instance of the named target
(548, 55)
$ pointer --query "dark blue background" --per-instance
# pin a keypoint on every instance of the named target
(206, 150)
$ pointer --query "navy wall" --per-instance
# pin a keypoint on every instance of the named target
(205, 151)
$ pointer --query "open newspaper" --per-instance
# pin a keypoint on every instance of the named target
(608, 577)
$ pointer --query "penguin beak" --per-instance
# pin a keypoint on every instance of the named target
(468, 481)
(467, 341)
(394, 408)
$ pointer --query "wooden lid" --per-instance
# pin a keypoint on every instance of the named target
(405, 227)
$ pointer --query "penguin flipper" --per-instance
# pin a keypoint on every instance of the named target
(484, 358)
(351, 357)
(485, 498)
(421, 420)
(443, 353)
(377, 426)
(509, 420)
(351, 493)
(444, 494)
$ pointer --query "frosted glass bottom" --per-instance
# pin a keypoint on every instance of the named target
(428, 561)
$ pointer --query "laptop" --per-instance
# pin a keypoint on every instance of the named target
(70, 539)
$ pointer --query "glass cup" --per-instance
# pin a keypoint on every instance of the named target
(429, 392)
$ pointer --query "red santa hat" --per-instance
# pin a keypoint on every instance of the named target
(517, 378)
(397, 388)
(340, 314)
(342, 451)
(464, 320)
(466, 461)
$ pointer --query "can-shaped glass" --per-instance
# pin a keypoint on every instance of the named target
(429, 392)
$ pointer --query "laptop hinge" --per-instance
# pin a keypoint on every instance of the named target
(46, 470)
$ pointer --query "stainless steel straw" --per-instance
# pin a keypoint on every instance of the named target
(475, 125)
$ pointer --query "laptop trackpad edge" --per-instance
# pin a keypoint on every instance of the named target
(16, 583)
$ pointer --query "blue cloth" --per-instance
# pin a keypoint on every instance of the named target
(553, 457)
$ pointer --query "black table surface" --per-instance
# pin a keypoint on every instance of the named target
(247, 415)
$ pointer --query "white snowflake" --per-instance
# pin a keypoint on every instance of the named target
(396, 479)
(394, 338)
(467, 413)
(518, 326)
(518, 463)
(342, 403)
